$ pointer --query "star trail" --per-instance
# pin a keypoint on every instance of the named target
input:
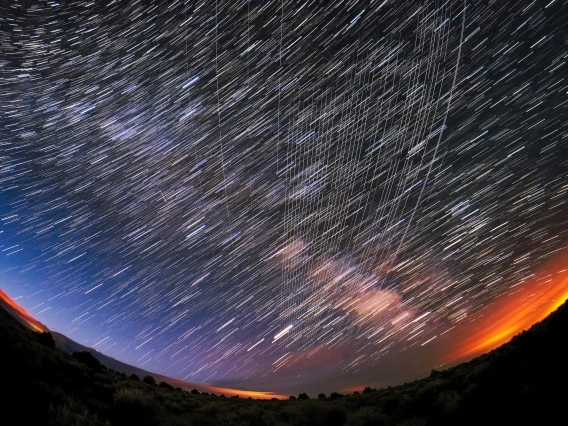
(268, 194)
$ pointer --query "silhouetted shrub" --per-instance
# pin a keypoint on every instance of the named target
(303, 396)
(368, 390)
(46, 339)
(195, 391)
(365, 416)
(274, 399)
(149, 380)
(435, 373)
(71, 413)
(88, 359)
(335, 395)
(390, 403)
(133, 407)
(252, 416)
(166, 385)
(134, 377)
(310, 413)
(292, 398)
(336, 416)
(448, 402)
(321, 396)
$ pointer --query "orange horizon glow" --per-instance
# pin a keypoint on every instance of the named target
(525, 305)
(22, 314)
(245, 393)
(521, 307)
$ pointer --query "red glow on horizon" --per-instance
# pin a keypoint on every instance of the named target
(356, 388)
(22, 314)
(494, 325)
(524, 306)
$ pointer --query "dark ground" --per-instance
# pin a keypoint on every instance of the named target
(522, 382)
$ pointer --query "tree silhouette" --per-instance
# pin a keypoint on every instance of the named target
(46, 339)
(166, 385)
(88, 359)
(435, 373)
(149, 380)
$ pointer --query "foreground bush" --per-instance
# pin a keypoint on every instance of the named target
(133, 407)
(88, 359)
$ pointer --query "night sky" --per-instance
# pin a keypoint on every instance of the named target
(280, 195)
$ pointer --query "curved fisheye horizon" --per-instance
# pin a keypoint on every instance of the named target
(284, 197)
(527, 304)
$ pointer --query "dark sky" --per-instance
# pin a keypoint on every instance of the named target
(278, 195)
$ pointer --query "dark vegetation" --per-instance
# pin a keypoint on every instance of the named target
(88, 359)
(522, 382)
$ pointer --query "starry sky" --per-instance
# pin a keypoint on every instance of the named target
(280, 195)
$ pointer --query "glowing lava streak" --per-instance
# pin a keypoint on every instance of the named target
(20, 313)
(524, 306)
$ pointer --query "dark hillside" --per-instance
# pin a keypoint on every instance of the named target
(525, 380)
(522, 382)
(69, 346)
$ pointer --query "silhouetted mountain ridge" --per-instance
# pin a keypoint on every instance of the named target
(521, 382)
(69, 346)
